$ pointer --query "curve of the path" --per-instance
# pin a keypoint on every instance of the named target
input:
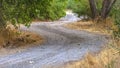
(61, 45)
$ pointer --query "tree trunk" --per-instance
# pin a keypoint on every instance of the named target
(110, 7)
(93, 8)
(106, 7)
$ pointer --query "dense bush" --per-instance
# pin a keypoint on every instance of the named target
(81, 7)
(51, 10)
(24, 11)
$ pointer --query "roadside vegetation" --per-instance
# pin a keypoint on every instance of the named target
(100, 16)
(14, 13)
(17, 13)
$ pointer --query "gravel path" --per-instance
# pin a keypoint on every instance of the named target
(61, 45)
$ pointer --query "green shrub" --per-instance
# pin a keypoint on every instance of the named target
(24, 11)
(81, 7)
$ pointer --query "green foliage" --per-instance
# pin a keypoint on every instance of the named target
(116, 15)
(99, 5)
(57, 9)
(24, 11)
(81, 7)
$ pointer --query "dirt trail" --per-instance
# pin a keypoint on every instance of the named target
(62, 45)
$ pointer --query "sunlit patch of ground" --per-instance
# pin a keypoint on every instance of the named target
(12, 41)
(108, 58)
(101, 27)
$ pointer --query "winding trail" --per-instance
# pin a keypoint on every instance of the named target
(61, 45)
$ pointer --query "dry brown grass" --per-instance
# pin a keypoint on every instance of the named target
(12, 41)
(108, 57)
(101, 27)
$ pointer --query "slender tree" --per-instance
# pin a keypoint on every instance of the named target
(106, 7)
(93, 8)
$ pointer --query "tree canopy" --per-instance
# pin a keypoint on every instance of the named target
(24, 11)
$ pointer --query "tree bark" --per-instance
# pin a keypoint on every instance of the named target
(93, 8)
(106, 7)
(110, 7)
